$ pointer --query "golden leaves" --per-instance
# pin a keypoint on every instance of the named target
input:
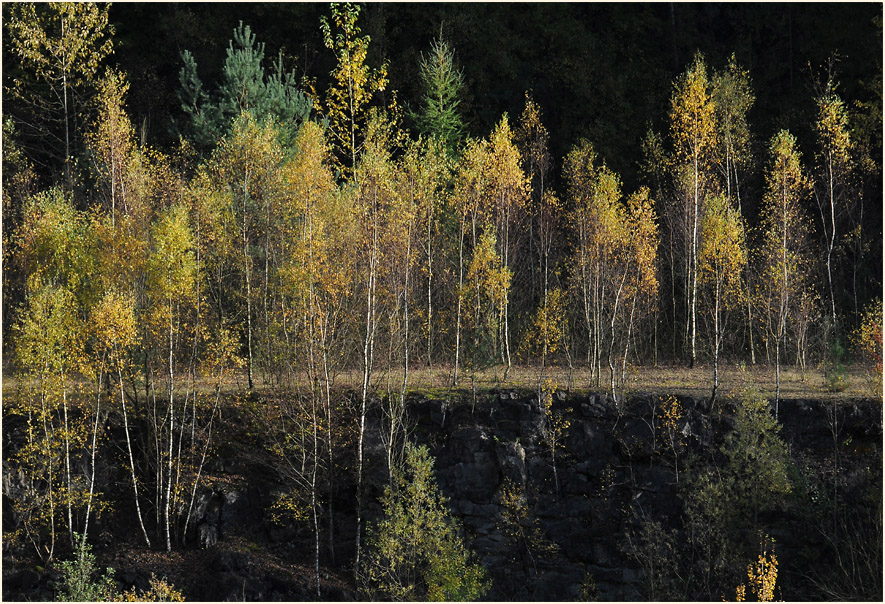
(692, 112)
(488, 278)
(172, 266)
(61, 40)
(113, 322)
(761, 577)
(832, 128)
(867, 338)
(723, 254)
(354, 82)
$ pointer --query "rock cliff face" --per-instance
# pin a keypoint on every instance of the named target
(555, 545)
(540, 542)
(542, 534)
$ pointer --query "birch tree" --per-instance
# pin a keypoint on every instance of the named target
(505, 202)
(594, 192)
(644, 240)
(733, 98)
(374, 198)
(784, 252)
(116, 336)
(693, 127)
(833, 168)
(466, 205)
(171, 277)
(48, 346)
(246, 171)
(353, 85)
(56, 253)
(62, 44)
(722, 260)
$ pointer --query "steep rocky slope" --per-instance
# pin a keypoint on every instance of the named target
(541, 534)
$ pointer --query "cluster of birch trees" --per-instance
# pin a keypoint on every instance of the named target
(352, 247)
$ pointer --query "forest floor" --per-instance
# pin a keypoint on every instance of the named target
(853, 382)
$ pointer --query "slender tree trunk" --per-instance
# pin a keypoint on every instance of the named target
(92, 454)
(673, 290)
(266, 263)
(131, 458)
(352, 117)
(313, 492)
(507, 327)
(831, 242)
(750, 324)
(406, 319)
(171, 432)
(597, 326)
(627, 342)
(611, 342)
(64, 79)
(715, 345)
(67, 441)
(158, 450)
(694, 263)
(429, 283)
(368, 354)
(585, 283)
(50, 493)
(327, 380)
(728, 169)
(248, 284)
(203, 458)
(459, 296)
(777, 375)
(784, 304)
(505, 265)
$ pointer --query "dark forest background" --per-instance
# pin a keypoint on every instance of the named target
(599, 71)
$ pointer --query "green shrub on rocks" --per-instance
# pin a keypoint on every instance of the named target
(416, 552)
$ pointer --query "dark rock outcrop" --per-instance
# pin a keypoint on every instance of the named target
(542, 531)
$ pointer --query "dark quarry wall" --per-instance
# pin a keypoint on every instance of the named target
(541, 535)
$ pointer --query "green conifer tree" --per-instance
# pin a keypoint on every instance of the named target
(442, 82)
(246, 87)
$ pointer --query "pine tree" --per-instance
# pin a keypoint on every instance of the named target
(442, 83)
(246, 87)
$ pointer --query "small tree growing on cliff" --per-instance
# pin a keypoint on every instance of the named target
(416, 551)
(761, 576)
(723, 506)
(654, 548)
(671, 414)
(78, 584)
(555, 425)
(519, 524)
